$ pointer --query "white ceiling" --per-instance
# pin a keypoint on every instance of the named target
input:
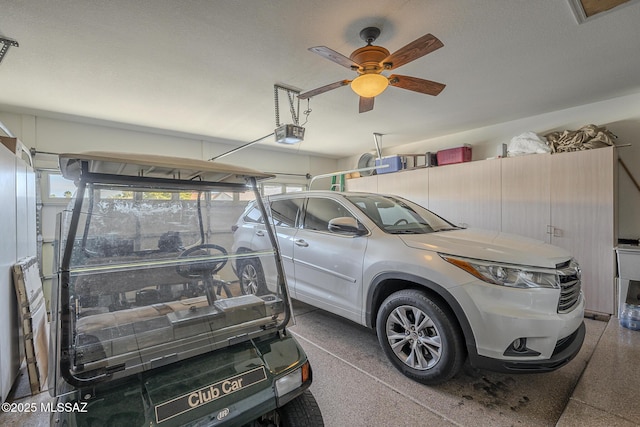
(208, 67)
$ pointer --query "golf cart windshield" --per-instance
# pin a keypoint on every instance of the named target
(145, 268)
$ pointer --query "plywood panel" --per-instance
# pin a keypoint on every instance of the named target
(33, 314)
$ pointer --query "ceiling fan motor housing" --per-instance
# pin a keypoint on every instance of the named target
(369, 57)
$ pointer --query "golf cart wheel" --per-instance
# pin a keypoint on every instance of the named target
(251, 277)
(303, 411)
(420, 336)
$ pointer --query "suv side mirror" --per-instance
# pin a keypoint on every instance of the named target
(345, 224)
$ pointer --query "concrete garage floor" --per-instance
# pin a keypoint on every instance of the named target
(355, 385)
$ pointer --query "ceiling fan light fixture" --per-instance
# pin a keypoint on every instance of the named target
(369, 85)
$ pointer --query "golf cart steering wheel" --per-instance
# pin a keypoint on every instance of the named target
(205, 268)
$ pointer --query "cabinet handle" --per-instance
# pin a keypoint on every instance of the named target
(554, 231)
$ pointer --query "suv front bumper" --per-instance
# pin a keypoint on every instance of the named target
(565, 350)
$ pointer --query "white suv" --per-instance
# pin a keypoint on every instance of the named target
(434, 292)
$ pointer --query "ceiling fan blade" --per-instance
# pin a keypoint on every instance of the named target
(414, 50)
(323, 89)
(415, 84)
(334, 56)
(366, 104)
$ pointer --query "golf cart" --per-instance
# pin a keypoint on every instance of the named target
(149, 325)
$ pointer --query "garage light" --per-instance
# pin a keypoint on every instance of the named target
(369, 85)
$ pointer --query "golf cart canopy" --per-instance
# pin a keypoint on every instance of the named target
(153, 167)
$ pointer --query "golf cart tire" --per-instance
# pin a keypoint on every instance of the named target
(303, 411)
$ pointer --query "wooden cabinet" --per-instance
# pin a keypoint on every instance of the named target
(568, 200)
(18, 231)
(411, 184)
(467, 194)
(583, 219)
(526, 197)
(368, 184)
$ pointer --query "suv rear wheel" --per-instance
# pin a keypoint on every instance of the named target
(420, 337)
(251, 277)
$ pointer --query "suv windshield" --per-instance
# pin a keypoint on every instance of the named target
(398, 216)
(150, 280)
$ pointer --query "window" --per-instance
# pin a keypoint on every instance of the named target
(398, 216)
(59, 187)
(221, 195)
(254, 216)
(284, 212)
(293, 188)
(320, 211)
(271, 189)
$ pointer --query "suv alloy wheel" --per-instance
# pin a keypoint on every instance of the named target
(419, 337)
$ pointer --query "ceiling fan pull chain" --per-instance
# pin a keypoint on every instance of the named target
(306, 112)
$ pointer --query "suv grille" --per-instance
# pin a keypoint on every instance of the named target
(570, 286)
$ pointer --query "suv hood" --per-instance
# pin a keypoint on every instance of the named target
(490, 246)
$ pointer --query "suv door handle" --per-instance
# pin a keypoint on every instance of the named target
(301, 242)
(260, 233)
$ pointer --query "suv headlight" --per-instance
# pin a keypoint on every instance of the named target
(515, 276)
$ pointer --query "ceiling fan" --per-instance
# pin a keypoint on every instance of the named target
(370, 61)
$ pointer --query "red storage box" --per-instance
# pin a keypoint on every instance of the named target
(454, 155)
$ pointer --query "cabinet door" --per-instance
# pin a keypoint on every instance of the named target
(25, 210)
(411, 184)
(582, 214)
(526, 200)
(368, 184)
(467, 194)
(9, 342)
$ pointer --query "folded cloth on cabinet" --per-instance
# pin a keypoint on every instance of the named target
(587, 137)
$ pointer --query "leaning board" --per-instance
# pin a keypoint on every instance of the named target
(33, 315)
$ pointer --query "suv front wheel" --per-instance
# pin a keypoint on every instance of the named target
(420, 337)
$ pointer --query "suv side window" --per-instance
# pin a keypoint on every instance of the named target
(285, 212)
(253, 216)
(320, 211)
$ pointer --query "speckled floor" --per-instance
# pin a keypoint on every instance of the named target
(355, 385)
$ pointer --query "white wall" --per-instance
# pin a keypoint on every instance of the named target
(620, 115)
(61, 135)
